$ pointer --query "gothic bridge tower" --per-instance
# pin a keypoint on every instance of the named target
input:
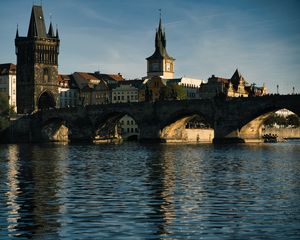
(37, 65)
(160, 63)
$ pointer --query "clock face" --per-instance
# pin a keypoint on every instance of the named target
(155, 66)
(168, 67)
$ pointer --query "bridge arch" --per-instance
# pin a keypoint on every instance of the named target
(55, 130)
(116, 126)
(187, 126)
(250, 127)
(63, 129)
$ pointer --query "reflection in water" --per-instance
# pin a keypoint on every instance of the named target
(13, 189)
(33, 178)
(161, 181)
(163, 191)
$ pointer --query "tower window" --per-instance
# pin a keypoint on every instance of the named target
(46, 75)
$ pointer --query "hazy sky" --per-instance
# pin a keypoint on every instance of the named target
(259, 37)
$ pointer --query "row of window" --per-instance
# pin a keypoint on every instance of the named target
(130, 130)
(5, 90)
(128, 97)
(129, 122)
(68, 94)
(4, 81)
(123, 92)
(68, 102)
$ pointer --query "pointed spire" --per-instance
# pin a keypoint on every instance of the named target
(236, 76)
(160, 24)
(17, 33)
(50, 32)
(56, 32)
(160, 42)
(37, 25)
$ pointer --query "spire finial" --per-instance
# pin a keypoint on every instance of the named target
(160, 24)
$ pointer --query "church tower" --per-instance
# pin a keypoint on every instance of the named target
(37, 65)
(160, 63)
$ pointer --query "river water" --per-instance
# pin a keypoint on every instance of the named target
(150, 191)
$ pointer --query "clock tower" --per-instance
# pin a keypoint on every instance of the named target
(160, 63)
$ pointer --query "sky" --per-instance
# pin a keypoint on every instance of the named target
(259, 37)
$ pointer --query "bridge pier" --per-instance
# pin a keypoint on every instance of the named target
(149, 132)
(250, 133)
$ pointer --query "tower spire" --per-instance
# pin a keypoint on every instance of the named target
(56, 32)
(160, 24)
(37, 25)
(160, 63)
(17, 33)
(50, 31)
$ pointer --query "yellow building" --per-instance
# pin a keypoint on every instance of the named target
(236, 86)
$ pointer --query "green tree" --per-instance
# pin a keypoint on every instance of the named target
(275, 119)
(293, 120)
(179, 91)
(4, 111)
(4, 106)
(165, 93)
(173, 92)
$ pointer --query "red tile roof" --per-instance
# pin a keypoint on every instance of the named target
(87, 76)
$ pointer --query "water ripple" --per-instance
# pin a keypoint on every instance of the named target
(150, 191)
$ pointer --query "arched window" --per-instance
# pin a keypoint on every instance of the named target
(46, 75)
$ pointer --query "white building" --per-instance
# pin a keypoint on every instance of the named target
(191, 85)
(8, 83)
(128, 127)
(125, 94)
(68, 92)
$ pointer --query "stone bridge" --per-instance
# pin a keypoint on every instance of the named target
(233, 119)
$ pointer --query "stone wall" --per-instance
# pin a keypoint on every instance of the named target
(195, 136)
(199, 135)
(18, 131)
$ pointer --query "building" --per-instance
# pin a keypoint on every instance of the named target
(158, 88)
(139, 84)
(125, 94)
(37, 65)
(8, 83)
(128, 128)
(236, 86)
(109, 78)
(91, 89)
(191, 86)
(160, 63)
(154, 87)
(68, 91)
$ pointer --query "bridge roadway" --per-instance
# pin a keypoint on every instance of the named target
(233, 119)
